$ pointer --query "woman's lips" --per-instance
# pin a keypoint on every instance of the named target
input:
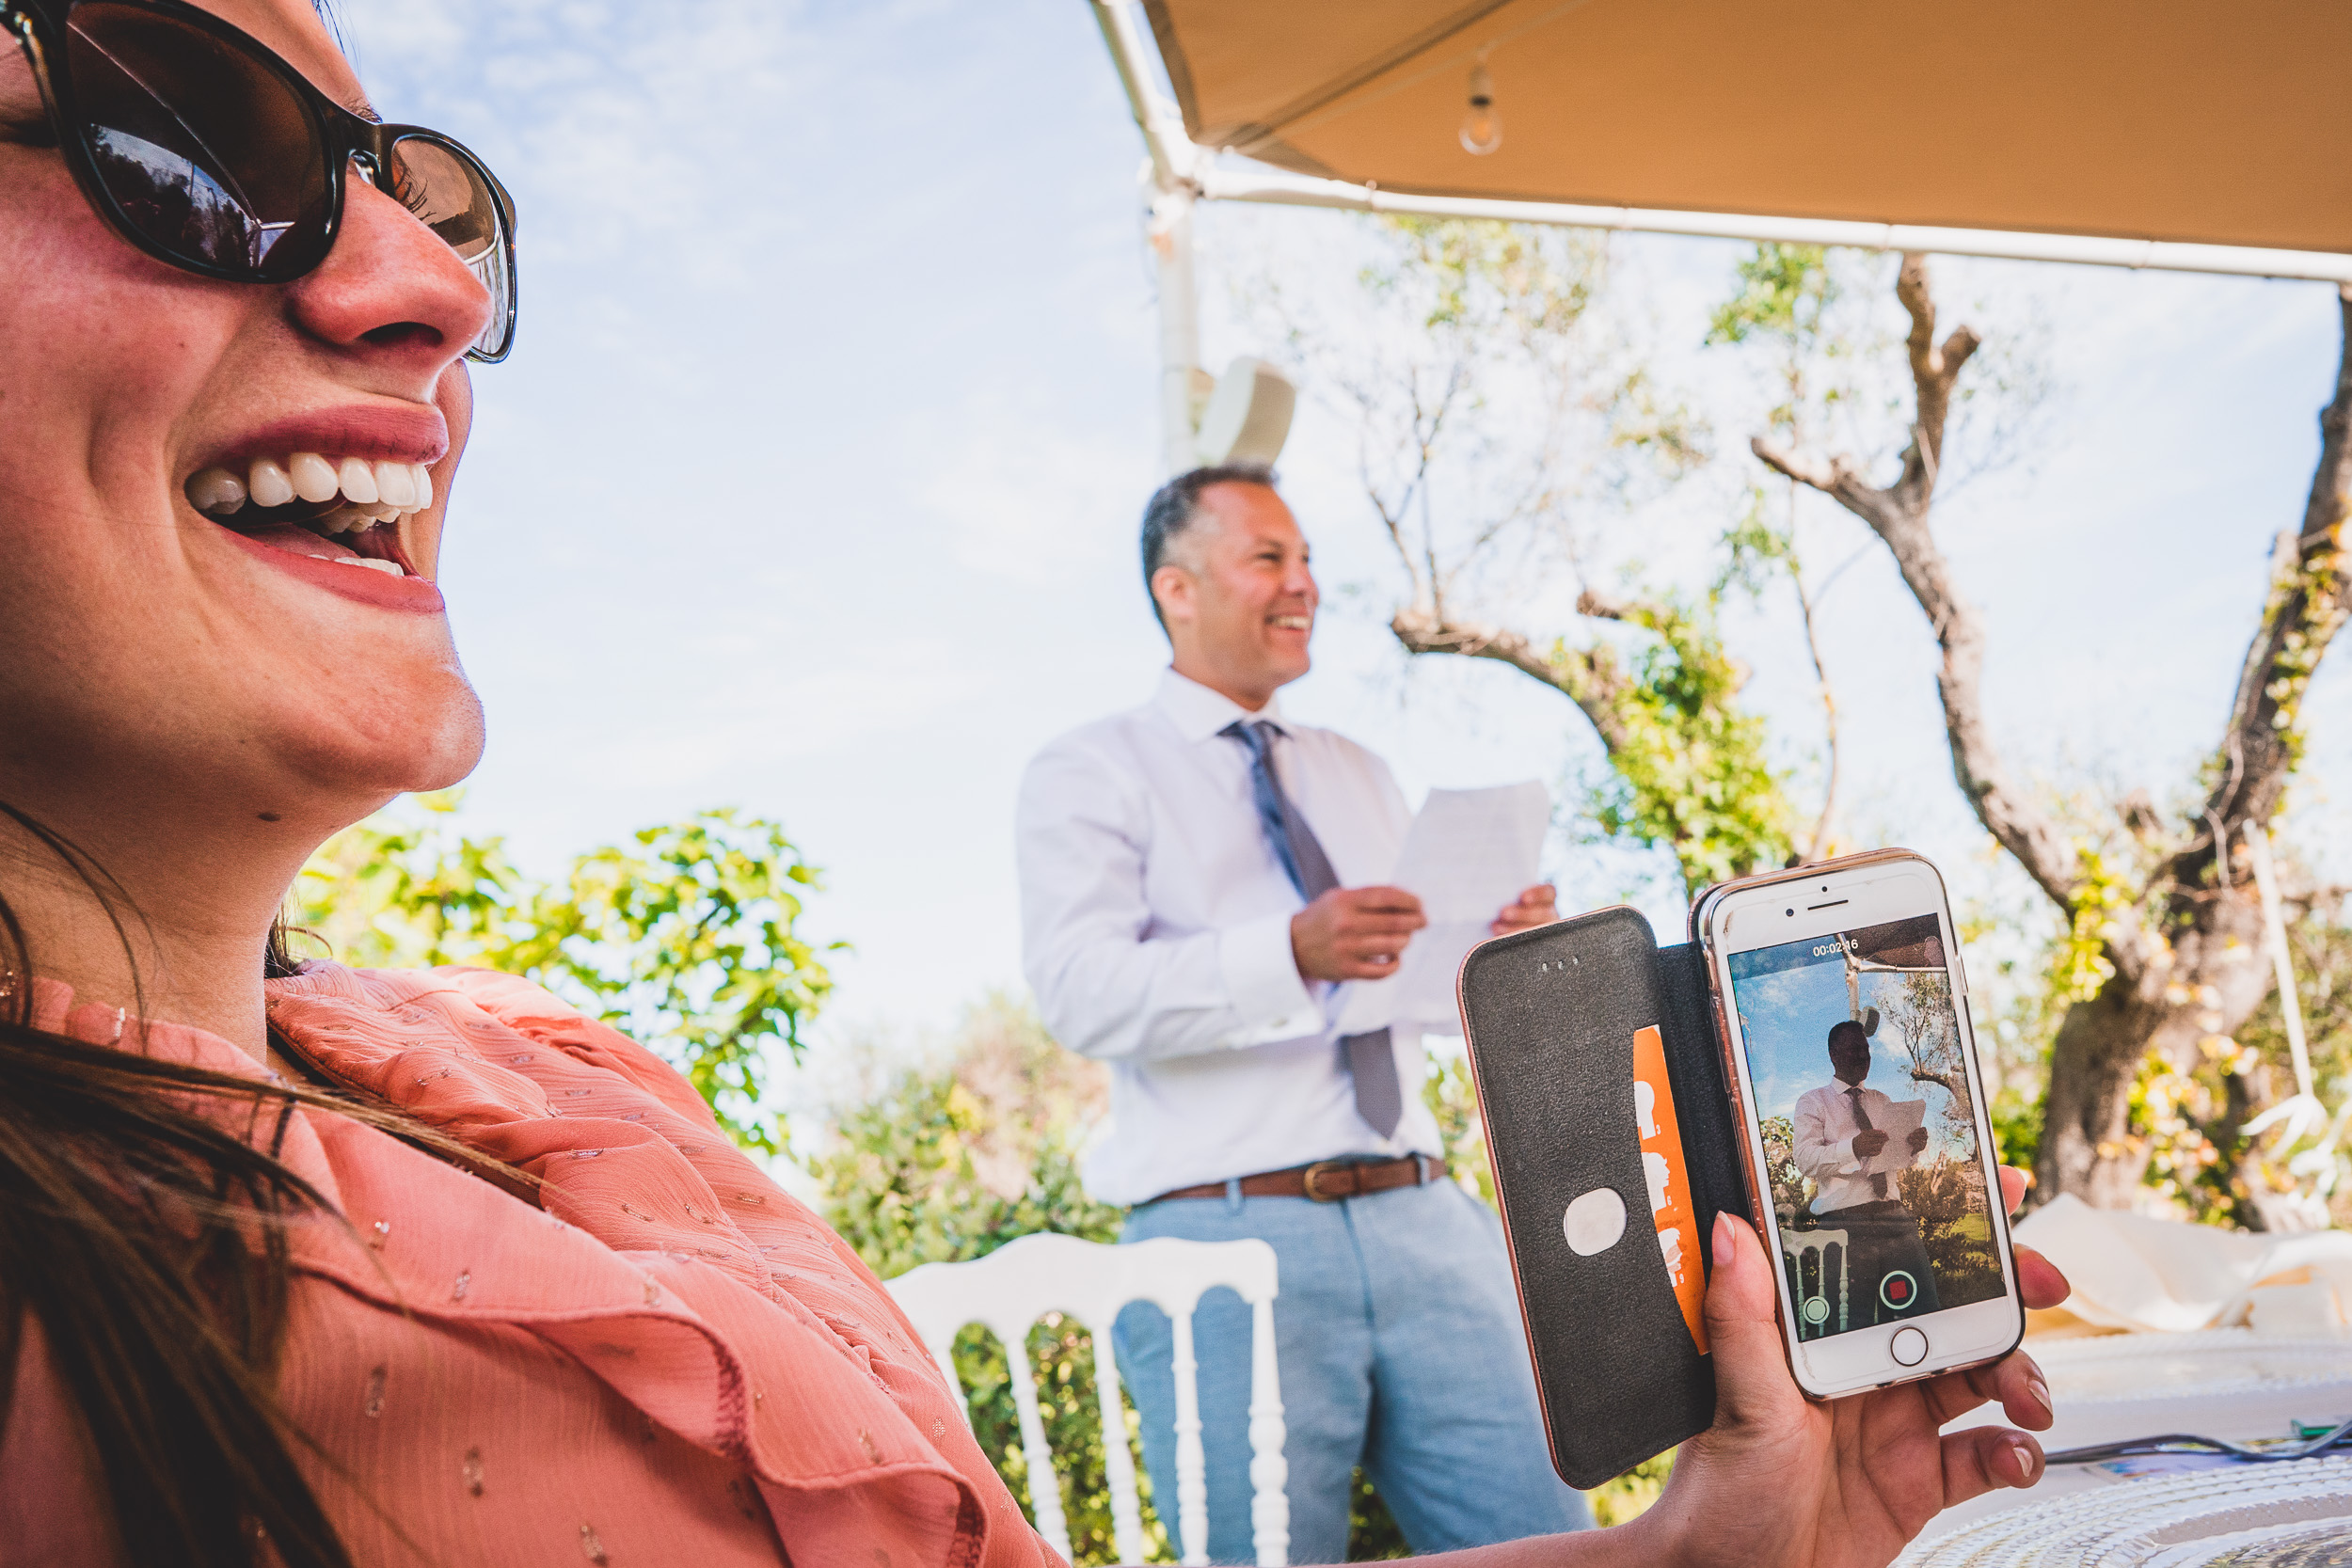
(411, 433)
(301, 554)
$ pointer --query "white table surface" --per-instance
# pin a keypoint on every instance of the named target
(2223, 1383)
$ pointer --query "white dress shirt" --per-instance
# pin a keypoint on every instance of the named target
(1155, 934)
(1825, 1129)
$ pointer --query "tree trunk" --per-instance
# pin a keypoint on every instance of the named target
(2185, 948)
(2209, 977)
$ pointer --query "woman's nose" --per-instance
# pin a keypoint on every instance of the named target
(390, 289)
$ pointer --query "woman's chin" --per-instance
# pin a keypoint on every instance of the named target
(428, 742)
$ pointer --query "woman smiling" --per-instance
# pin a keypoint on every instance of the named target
(317, 1266)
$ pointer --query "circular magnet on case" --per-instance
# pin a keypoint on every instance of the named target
(1594, 1222)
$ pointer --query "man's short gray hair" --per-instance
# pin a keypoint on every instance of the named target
(1174, 505)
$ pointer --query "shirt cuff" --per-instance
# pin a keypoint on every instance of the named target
(1262, 982)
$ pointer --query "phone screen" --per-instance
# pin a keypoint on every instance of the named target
(1867, 1124)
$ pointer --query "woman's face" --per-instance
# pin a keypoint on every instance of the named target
(153, 659)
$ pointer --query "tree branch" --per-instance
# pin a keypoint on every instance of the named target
(1591, 678)
(1934, 371)
(1898, 514)
(2311, 593)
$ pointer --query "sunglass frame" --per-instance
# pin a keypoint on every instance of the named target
(342, 136)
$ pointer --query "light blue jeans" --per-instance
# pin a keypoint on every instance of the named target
(1400, 1350)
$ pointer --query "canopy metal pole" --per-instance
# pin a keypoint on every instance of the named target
(2082, 249)
(1176, 160)
(1180, 326)
(1174, 177)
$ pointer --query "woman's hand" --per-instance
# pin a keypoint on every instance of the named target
(1779, 1480)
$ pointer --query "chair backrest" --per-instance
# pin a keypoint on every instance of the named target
(1007, 1291)
(1813, 1308)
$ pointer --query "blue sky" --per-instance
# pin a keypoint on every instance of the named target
(811, 483)
(1784, 1018)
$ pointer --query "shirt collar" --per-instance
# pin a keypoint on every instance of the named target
(1199, 713)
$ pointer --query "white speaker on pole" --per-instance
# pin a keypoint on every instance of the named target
(1247, 415)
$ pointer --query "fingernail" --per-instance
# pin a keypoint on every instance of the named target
(2041, 1394)
(1721, 1241)
(2029, 1460)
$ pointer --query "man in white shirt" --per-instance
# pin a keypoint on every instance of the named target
(1838, 1128)
(1200, 881)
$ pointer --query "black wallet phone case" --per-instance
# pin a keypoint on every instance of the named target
(1550, 1017)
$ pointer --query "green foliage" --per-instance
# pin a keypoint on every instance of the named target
(1690, 769)
(1784, 290)
(1452, 1099)
(1373, 1533)
(1791, 1188)
(683, 938)
(939, 1165)
(1628, 1498)
(1755, 549)
(1948, 1198)
(1787, 301)
(1473, 272)
(933, 1164)
(2079, 964)
(2191, 1115)
(2321, 942)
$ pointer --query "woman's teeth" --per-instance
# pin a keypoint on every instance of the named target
(372, 491)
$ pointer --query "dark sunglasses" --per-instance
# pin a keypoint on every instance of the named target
(208, 152)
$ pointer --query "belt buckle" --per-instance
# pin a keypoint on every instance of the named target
(1309, 1176)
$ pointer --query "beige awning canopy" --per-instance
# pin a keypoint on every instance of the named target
(2220, 122)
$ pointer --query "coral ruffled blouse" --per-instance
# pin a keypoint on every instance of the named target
(668, 1360)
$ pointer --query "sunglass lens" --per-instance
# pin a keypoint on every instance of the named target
(451, 196)
(204, 147)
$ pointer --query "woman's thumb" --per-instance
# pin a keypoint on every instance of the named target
(1751, 1370)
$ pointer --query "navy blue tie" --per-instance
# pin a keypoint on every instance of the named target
(1370, 1058)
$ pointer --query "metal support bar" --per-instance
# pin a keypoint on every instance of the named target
(2153, 255)
(1180, 326)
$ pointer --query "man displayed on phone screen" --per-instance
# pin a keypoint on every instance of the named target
(1868, 1126)
(1840, 1145)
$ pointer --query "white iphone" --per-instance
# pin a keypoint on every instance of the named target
(1842, 1009)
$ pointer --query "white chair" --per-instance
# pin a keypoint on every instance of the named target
(1815, 1309)
(1007, 1291)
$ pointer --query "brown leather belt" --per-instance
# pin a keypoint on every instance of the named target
(1328, 1180)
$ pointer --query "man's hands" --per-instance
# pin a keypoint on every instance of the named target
(1354, 933)
(1359, 933)
(1779, 1482)
(1538, 906)
(1867, 1145)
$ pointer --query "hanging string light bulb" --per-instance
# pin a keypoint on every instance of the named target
(1482, 123)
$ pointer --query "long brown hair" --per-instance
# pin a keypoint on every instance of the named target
(144, 1216)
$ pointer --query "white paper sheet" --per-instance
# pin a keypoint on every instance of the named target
(1468, 853)
(1898, 1121)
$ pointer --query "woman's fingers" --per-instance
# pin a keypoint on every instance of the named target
(1983, 1458)
(2015, 1380)
(2039, 1280)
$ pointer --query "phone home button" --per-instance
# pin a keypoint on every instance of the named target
(1909, 1347)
